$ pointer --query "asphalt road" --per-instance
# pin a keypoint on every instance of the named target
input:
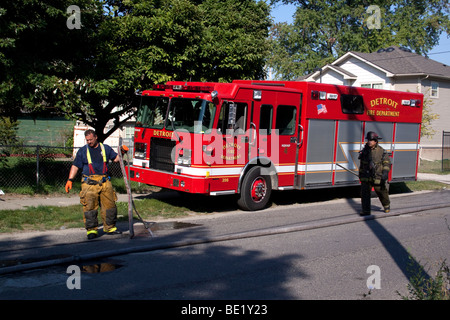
(234, 256)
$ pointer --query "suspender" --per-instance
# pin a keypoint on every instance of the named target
(91, 168)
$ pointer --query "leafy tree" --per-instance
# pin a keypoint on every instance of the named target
(323, 30)
(8, 131)
(428, 117)
(38, 53)
(234, 43)
(8, 136)
(91, 74)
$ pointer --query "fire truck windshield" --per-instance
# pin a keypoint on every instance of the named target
(192, 115)
(152, 112)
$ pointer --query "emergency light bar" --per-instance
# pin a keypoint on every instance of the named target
(322, 95)
(415, 103)
(182, 87)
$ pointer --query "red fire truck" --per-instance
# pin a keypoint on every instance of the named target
(251, 137)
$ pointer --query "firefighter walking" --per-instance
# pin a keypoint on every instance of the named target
(374, 172)
(96, 188)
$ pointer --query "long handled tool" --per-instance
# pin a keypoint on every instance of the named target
(347, 170)
(131, 204)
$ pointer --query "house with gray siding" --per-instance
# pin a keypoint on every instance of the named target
(396, 68)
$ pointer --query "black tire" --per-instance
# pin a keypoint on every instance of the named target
(255, 190)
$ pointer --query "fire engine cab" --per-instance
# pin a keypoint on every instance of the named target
(250, 137)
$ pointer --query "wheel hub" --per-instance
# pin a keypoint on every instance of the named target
(259, 189)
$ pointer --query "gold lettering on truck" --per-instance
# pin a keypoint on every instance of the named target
(162, 133)
(384, 102)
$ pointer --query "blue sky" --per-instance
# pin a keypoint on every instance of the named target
(441, 53)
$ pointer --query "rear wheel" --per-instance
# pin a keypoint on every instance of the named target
(255, 190)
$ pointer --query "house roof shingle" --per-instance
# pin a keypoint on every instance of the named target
(401, 62)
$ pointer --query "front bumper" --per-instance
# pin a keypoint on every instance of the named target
(170, 180)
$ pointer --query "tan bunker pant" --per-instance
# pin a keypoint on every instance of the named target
(98, 193)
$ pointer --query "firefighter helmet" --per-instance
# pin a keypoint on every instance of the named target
(372, 136)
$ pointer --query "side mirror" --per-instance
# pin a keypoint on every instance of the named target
(231, 114)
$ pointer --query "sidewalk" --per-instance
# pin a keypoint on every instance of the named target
(443, 178)
(14, 202)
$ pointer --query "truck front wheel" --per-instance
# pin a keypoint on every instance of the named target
(255, 190)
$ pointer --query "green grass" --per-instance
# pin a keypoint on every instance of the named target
(411, 186)
(40, 218)
(53, 217)
(434, 166)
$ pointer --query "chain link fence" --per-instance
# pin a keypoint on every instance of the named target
(35, 166)
(445, 150)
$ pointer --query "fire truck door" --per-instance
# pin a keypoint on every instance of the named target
(235, 135)
(274, 136)
(261, 125)
(287, 137)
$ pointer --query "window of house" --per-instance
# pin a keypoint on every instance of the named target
(372, 85)
(129, 132)
(434, 90)
(377, 86)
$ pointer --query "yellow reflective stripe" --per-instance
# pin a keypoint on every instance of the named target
(112, 229)
(103, 152)
(89, 155)
(92, 231)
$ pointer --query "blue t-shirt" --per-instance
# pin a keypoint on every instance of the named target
(81, 161)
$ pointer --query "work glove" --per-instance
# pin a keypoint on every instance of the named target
(384, 176)
(124, 149)
(68, 186)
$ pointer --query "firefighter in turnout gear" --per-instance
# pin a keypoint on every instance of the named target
(374, 172)
(96, 188)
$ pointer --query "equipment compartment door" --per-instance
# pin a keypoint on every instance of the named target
(320, 152)
(406, 149)
(347, 152)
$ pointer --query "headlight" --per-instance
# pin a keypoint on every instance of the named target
(140, 150)
(184, 157)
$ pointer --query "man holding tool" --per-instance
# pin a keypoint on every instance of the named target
(374, 172)
(96, 188)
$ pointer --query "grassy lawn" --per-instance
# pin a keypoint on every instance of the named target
(434, 167)
(53, 217)
(411, 186)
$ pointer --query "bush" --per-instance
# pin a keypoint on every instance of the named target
(422, 287)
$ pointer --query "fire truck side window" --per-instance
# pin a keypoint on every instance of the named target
(285, 121)
(352, 104)
(265, 120)
(241, 118)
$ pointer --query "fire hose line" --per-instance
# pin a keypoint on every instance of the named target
(226, 237)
